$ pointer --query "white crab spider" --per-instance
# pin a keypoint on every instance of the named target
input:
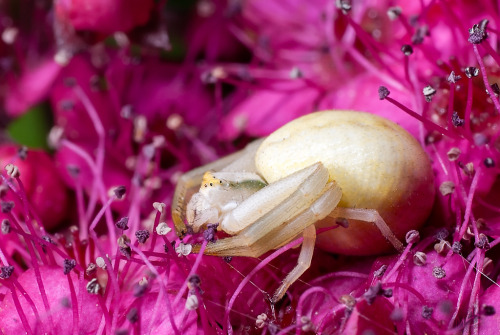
(317, 168)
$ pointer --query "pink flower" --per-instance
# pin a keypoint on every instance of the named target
(128, 125)
(37, 81)
(43, 186)
(104, 16)
(27, 66)
(59, 318)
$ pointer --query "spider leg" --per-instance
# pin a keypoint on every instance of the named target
(303, 263)
(277, 203)
(257, 240)
(369, 215)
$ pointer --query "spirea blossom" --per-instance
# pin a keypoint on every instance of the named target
(141, 94)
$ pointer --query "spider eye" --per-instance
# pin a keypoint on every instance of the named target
(205, 185)
(211, 184)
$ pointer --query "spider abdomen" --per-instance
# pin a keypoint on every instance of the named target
(378, 165)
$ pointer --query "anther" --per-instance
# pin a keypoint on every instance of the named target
(438, 272)
(471, 71)
(140, 288)
(488, 310)
(407, 49)
(159, 206)
(12, 171)
(210, 232)
(174, 122)
(372, 293)
(469, 169)
(420, 33)
(62, 57)
(123, 244)
(142, 236)
(383, 92)
(67, 105)
(456, 247)
(6, 271)
(482, 242)
(387, 293)
(93, 286)
(441, 234)
(348, 300)
(192, 302)
(127, 112)
(429, 92)
(91, 269)
(68, 265)
(6, 206)
(456, 120)
(122, 223)
(480, 139)
(100, 262)
(5, 226)
(477, 34)
(380, 272)
(453, 154)
(427, 312)
(489, 162)
(419, 259)
(296, 73)
(183, 249)
(412, 236)
(133, 315)
(394, 12)
(48, 239)
(73, 170)
(194, 282)
(453, 78)
(140, 128)
(260, 322)
(344, 5)
(98, 83)
(469, 234)
(22, 152)
(55, 137)
(307, 325)
(163, 229)
(120, 191)
(495, 89)
(442, 247)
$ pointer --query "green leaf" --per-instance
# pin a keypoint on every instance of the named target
(32, 128)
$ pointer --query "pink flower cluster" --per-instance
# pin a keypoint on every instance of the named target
(143, 91)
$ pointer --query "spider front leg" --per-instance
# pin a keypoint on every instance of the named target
(277, 214)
